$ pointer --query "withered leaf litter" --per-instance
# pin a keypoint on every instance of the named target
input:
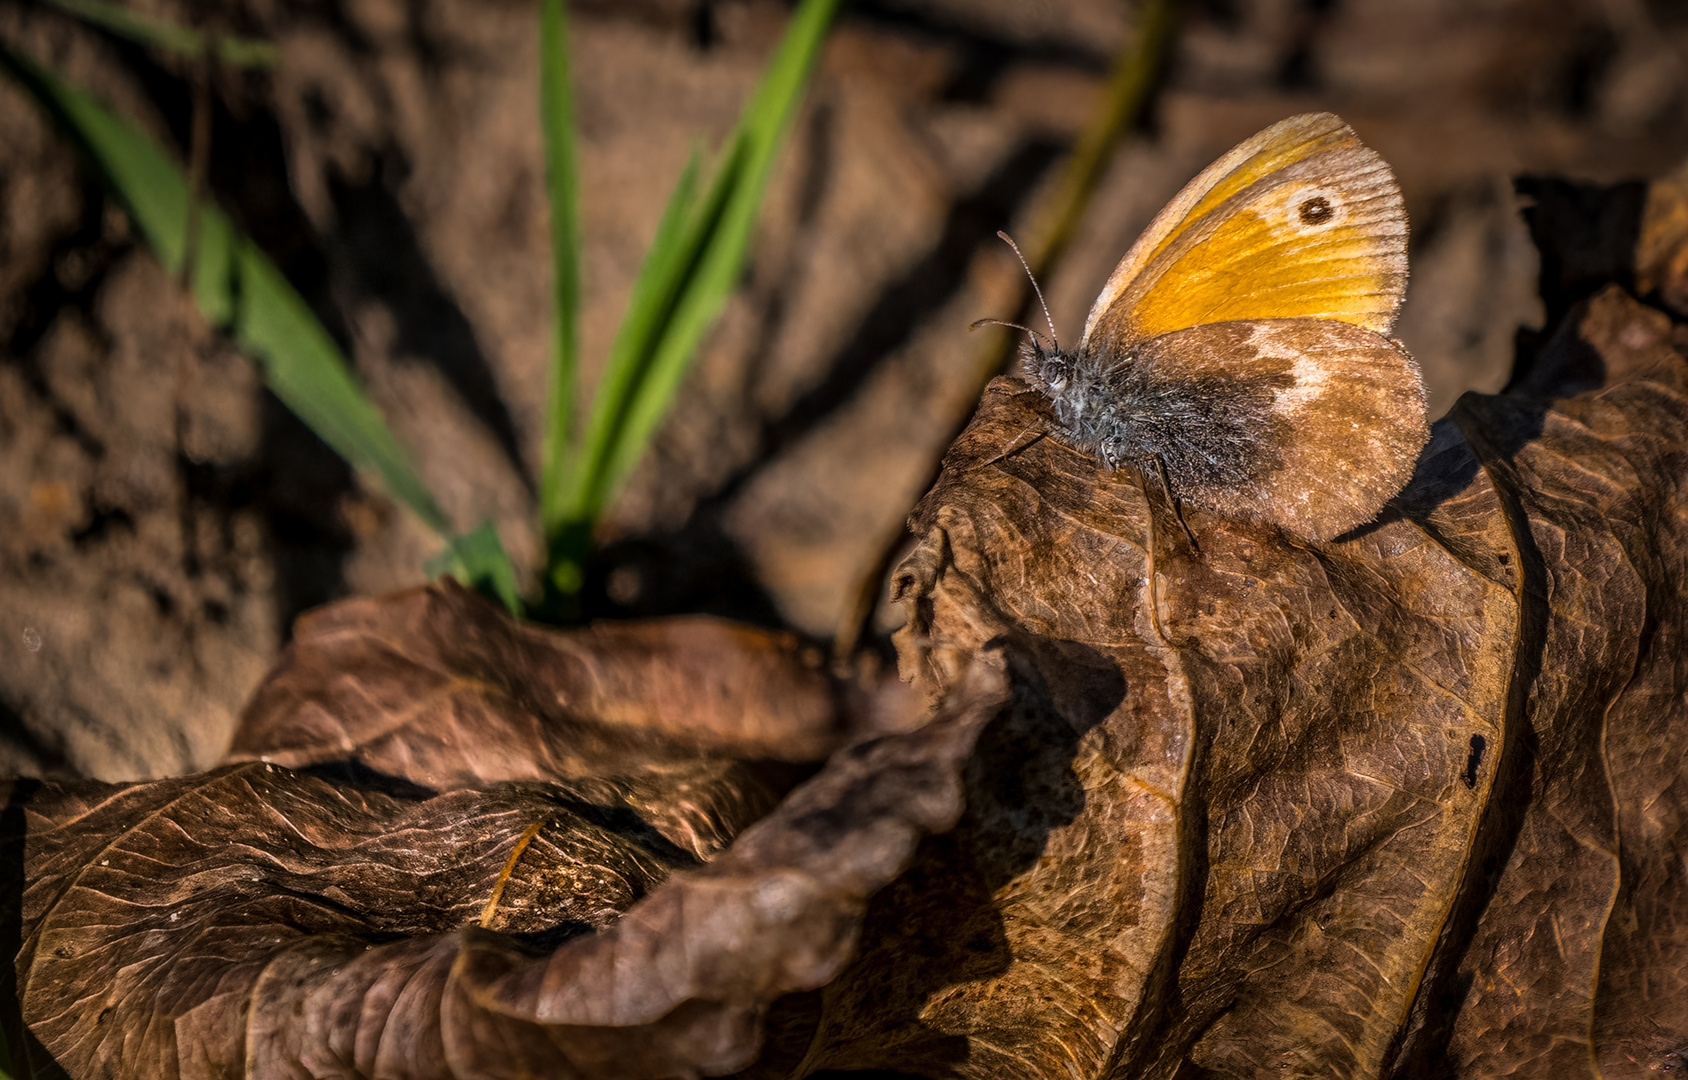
(1411, 803)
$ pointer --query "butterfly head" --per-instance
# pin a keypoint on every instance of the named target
(1048, 368)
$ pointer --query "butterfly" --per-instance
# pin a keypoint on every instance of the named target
(1239, 352)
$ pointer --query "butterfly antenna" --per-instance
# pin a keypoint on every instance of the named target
(998, 322)
(1009, 240)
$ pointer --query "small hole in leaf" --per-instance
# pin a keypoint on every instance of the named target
(1475, 760)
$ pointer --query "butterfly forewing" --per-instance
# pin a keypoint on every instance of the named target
(1311, 424)
(1301, 220)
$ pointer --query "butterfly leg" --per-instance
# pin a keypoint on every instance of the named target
(1177, 510)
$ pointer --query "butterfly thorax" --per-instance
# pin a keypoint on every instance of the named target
(1075, 384)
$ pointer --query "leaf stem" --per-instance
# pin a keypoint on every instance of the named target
(491, 908)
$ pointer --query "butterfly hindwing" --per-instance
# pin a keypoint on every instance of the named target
(1302, 220)
(1311, 424)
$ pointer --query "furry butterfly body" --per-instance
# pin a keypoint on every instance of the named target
(1239, 350)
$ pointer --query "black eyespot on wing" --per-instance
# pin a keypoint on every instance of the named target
(1316, 211)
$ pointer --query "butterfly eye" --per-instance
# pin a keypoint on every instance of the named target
(1315, 211)
(1055, 371)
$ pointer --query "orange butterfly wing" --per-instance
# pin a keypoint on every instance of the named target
(1301, 220)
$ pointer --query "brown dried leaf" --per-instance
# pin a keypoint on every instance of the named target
(260, 921)
(1578, 966)
(436, 685)
(1410, 802)
(1413, 803)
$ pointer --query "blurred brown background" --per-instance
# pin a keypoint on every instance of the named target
(392, 166)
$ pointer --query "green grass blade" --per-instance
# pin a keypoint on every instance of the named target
(147, 181)
(646, 334)
(661, 275)
(157, 33)
(654, 290)
(763, 129)
(687, 277)
(306, 371)
(556, 110)
(725, 228)
(240, 291)
(478, 559)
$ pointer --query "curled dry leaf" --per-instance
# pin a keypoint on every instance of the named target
(1413, 803)
(263, 922)
(438, 686)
